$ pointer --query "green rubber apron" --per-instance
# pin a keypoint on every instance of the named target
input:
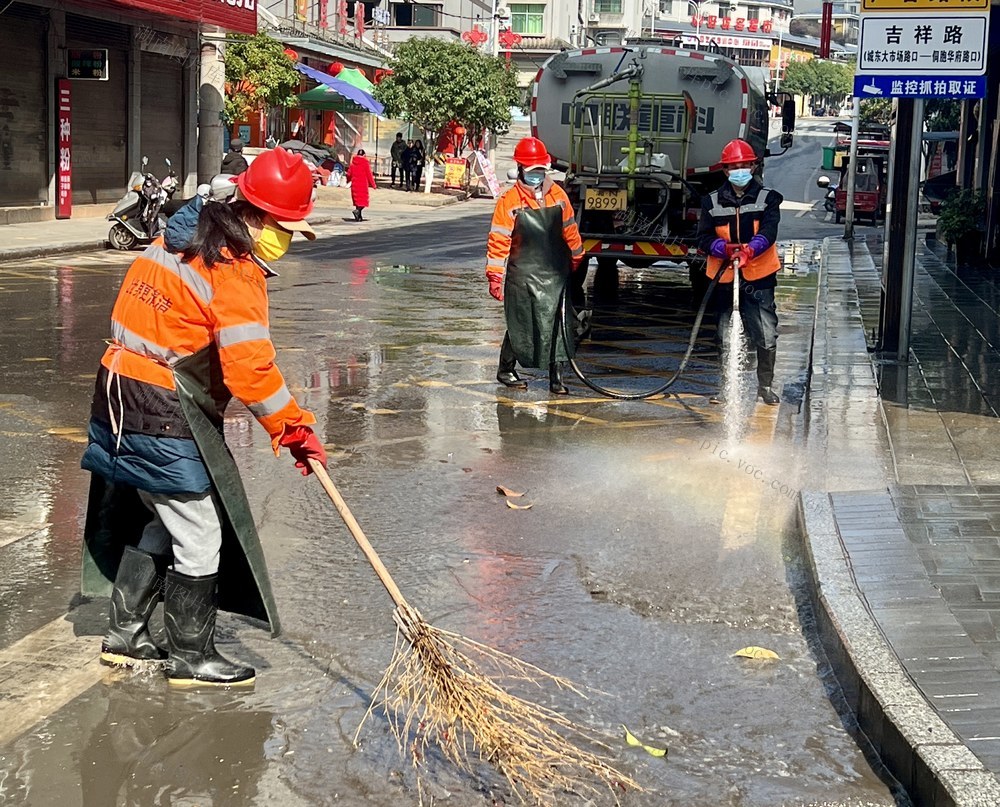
(538, 270)
(116, 517)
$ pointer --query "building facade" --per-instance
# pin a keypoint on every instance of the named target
(127, 77)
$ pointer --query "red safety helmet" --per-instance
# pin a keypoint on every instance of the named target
(530, 152)
(737, 151)
(280, 183)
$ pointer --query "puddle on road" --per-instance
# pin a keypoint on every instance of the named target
(646, 560)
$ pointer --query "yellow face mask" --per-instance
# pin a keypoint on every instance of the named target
(272, 243)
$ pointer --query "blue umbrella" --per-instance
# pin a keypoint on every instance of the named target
(349, 91)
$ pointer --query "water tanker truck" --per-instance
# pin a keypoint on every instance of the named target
(638, 131)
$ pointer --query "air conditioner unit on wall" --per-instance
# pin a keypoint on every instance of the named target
(594, 18)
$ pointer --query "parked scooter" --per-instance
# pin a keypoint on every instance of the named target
(141, 214)
(830, 199)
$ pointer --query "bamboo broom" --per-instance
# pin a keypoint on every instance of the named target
(447, 691)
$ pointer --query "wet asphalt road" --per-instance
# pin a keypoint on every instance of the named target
(651, 553)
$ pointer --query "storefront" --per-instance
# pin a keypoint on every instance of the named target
(132, 68)
(24, 164)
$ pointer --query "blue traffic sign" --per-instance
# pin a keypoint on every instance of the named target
(920, 86)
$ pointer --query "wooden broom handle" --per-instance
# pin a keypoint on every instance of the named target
(358, 534)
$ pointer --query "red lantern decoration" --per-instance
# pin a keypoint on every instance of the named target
(291, 54)
(381, 73)
(459, 131)
(335, 68)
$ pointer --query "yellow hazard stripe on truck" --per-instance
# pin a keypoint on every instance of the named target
(594, 246)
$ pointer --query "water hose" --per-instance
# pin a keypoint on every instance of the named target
(638, 396)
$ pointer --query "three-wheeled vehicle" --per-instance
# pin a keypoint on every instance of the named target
(869, 188)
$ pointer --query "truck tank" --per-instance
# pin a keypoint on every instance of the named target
(639, 131)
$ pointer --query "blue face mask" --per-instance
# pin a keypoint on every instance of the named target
(740, 177)
(534, 178)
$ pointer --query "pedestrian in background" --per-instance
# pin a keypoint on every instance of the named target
(534, 245)
(234, 162)
(417, 161)
(189, 333)
(359, 174)
(396, 155)
(740, 222)
(406, 158)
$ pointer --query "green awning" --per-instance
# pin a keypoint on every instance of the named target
(325, 99)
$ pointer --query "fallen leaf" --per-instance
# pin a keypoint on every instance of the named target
(513, 506)
(756, 653)
(649, 749)
(508, 492)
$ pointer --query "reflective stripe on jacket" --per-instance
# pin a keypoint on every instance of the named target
(168, 309)
(737, 219)
(502, 226)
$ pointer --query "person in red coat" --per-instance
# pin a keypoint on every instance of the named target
(359, 174)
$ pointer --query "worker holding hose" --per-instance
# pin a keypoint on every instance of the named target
(168, 516)
(534, 245)
(739, 228)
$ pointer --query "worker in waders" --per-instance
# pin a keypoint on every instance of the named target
(167, 514)
(739, 222)
(534, 245)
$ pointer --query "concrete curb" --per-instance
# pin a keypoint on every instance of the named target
(927, 758)
(330, 213)
(44, 251)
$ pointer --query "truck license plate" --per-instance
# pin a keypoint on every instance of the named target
(598, 199)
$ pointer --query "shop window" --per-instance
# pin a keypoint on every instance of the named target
(416, 16)
(527, 18)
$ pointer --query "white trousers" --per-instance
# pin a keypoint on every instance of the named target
(189, 526)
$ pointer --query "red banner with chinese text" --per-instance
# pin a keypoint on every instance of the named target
(64, 149)
(233, 15)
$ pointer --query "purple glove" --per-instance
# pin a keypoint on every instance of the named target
(718, 249)
(758, 244)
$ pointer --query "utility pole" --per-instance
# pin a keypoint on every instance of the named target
(899, 255)
(211, 103)
(852, 170)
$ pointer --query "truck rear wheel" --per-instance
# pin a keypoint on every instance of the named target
(606, 276)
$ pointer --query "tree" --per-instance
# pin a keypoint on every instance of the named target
(942, 114)
(434, 82)
(259, 74)
(876, 110)
(831, 81)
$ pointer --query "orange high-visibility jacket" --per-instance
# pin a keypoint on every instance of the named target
(168, 309)
(505, 214)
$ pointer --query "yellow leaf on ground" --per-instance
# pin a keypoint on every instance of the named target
(649, 749)
(513, 506)
(508, 492)
(756, 653)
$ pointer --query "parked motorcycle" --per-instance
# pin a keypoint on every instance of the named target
(141, 214)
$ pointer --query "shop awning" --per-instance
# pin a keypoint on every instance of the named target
(336, 87)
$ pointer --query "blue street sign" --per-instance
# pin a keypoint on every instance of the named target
(920, 86)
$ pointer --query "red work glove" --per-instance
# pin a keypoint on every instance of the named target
(743, 256)
(496, 285)
(304, 445)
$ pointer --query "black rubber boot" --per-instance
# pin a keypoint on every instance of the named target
(189, 616)
(357, 214)
(556, 386)
(138, 588)
(765, 375)
(506, 373)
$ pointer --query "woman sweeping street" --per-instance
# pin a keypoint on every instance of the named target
(361, 178)
(189, 333)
